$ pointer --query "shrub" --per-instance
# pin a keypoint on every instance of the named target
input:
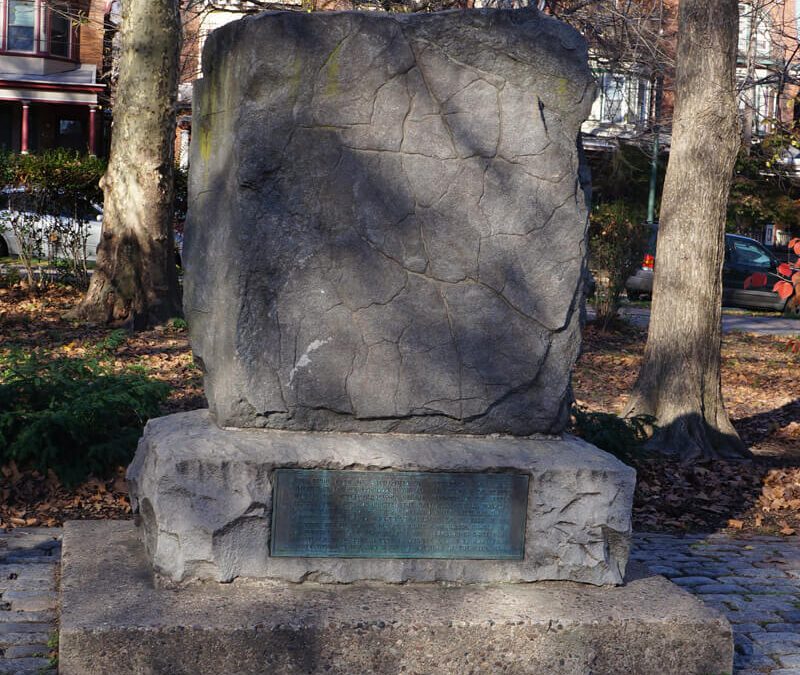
(181, 183)
(50, 197)
(9, 277)
(72, 415)
(616, 247)
(762, 191)
(622, 437)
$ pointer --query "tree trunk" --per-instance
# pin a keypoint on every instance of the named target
(135, 281)
(680, 380)
(749, 112)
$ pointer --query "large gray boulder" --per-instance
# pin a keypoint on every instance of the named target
(387, 227)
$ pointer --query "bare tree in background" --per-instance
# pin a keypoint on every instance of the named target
(768, 68)
(135, 280)
(680, 379)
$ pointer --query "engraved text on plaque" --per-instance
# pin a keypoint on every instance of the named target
(376, 514)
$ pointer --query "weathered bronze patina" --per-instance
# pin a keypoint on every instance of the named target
(377, 514)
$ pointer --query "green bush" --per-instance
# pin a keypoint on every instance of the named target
(181, 206)
(622, 437)
(616, 247)
(9, 276)
(762, 191)
(56, 188)
(73, 415)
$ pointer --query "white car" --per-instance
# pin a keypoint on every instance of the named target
(52, 232)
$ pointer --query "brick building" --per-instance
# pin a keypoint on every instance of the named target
(49, 65)
(768, 73)
(632, 95)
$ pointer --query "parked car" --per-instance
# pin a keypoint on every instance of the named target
(743, 257)
(47, 226)
(10, 245)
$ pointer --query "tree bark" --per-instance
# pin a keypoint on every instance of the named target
(749, 113)
(135, 281)
(680, 380)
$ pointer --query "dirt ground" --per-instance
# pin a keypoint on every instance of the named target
(760, 384)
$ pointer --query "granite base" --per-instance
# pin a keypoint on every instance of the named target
(115, 621)
(204, 500)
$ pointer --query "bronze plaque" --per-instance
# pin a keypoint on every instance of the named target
(398, 514)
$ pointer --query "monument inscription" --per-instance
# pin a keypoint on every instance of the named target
(372, 514)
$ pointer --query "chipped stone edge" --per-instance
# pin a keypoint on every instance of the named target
(204, 501)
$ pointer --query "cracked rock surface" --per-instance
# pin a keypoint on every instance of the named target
(387, 230)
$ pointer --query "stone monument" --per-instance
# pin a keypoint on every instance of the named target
(384, 263)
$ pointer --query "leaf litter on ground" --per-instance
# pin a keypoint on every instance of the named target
(760, 386)
(762, 395)
(34, 322)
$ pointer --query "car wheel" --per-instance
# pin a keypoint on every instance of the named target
(3, 248)
(633, 296)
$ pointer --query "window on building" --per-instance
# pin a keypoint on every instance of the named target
(745, 19)
(70, 134)
(763, 39)
(24, 29)
(20, 25)
(761, 100)
(623, 98)
(59, 33)
(750, 18)
(613, 98)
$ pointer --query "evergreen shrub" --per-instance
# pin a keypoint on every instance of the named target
(74, 415)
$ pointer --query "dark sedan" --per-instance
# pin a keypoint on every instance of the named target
(743, 257)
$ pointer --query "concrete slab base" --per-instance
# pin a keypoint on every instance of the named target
(114, 620)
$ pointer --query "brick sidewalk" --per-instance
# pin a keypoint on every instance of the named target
(29, 561)
(754, 581)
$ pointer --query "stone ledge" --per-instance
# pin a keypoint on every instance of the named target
(204, 495)
(115, 621)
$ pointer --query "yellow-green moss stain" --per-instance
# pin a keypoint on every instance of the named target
(205, 121)
(210, 107)
(205, 143)
(294, 82)
(562, 87)
(332, 85)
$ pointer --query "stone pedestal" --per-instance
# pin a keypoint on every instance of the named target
(204, 498)
(115, 622)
